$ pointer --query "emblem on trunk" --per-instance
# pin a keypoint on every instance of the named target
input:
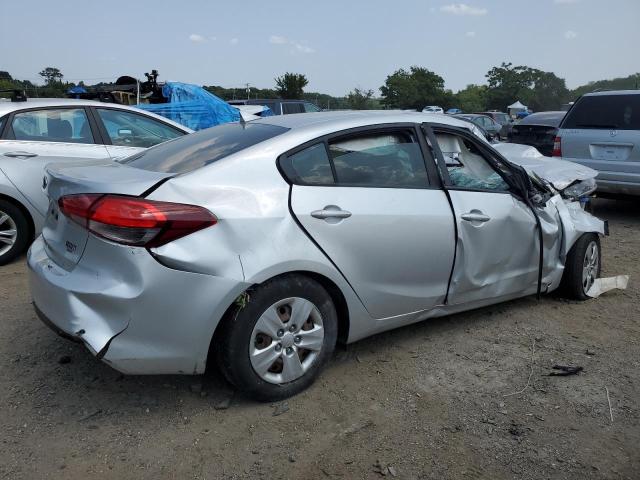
(71, 247)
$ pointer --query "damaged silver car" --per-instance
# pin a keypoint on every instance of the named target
(259, 245)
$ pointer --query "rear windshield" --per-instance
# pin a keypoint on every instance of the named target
(550, 119)
(621, 112)
(196, 150)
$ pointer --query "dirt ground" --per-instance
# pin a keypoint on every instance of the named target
(437, 400)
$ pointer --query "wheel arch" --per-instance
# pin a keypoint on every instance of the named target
(27, 214)
(338, 298)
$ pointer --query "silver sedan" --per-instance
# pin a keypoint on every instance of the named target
(259, 245)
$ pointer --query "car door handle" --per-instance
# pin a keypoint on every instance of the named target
(330, 213)
(20, 154)
(475, 216)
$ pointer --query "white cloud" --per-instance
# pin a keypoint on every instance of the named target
(470, 34)
(278, 40)
(213, 39)
(234, 41)
(196, 37)
(462, 9)
(296, 47)
(302, 48)
(570, 34)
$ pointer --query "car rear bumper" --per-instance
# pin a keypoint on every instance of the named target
(135, 314)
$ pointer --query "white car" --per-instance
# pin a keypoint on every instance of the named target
(433, 109)
(36, 132)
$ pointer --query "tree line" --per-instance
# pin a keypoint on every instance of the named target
(412, 88)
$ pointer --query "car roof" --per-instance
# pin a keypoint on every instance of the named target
(612, 92)
(8, 107)
(323, 123)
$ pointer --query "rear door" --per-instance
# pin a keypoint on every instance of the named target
(497, 244)
(603, 132)
(126, 133)
(366, 199)
(34, 138)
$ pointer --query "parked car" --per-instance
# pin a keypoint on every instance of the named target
(36, 132)
(261, 244)
(602, 131)
(538, 130)
(433, 109)
(503, 119)
(453, 111)
(279, 106)
(486, 123)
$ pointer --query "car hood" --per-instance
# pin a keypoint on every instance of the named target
(560, 173)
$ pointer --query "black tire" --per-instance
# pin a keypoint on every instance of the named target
(572, 285)
(22, 229)
(235, 337)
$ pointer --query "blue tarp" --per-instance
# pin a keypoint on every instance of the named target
(192, 106)
(76, 90)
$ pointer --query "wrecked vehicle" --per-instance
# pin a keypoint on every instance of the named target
(262, 244)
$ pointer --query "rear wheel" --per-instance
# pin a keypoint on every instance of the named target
(14, 232)
(582, 267)
(278, 342)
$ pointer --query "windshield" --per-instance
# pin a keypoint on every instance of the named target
(196, 150)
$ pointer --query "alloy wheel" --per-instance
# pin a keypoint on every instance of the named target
(286, 340)
(590, 266)
(8, 232)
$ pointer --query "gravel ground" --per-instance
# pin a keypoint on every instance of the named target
(444, 399)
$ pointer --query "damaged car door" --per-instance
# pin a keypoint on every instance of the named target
(497, 249)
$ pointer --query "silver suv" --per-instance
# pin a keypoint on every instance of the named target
(602, 131)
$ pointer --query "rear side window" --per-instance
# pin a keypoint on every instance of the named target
(68, 125)
(620, 112)
(311, 166)
(391, 159)
(196, 150)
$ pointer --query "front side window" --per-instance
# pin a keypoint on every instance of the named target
(392, 159)
(466, 164)
(128, 129)
(69, 125)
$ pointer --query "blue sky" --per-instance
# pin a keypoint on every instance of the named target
(338, 44)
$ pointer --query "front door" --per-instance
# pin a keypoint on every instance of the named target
(497, 245)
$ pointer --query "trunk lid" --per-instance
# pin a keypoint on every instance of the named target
(64, 239)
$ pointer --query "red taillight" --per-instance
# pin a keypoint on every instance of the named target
(557, 147)
(135, 221)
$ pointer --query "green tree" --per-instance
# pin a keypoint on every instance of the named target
(632, 82)
(51, 75)
(471, 99)
(291, 85)
(548, 92)
(359, 99)
(414, 89)
(508, 83)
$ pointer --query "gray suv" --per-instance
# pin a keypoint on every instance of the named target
(602, 131)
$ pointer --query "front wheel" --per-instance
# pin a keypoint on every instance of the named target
(276, 344)
(14, 232)
(582, 267)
